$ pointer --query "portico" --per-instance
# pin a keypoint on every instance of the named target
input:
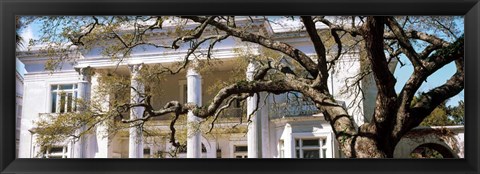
(194, 92)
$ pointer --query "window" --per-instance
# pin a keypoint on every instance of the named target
(146, 152)
(219, 153)
(240, 151)
(281, 148)
(63, 98)
(185, 94)
(182, 87)
(311, 148)
(55, 152)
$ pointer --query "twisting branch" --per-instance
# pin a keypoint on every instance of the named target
(413, 116)
(404, 43)
(353, 31)
(383, 117)
(430, 100)
(198, 31)
(319, 49)
(385, 80)
(287, 49)
(170, 107)
(428, 50)
(173, 131)
(78, 41)
(436, 61)
(157, 25)
(412, 34)
(212, 44)
(255, 110)
(219, 110)
(393, 53)
(445, 28)
(339, 48)
(192, 50)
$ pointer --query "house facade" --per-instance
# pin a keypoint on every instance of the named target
(282, 126)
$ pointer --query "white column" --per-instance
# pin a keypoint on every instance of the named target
(135, 141)
(194, 96)
(264, 125)
(254, 134)
(84, 85)
(289, 142)
(101, 149)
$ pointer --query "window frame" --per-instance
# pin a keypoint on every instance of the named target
(183, 90)
(242, 154)
(281, 148)
(149, 154)
(320, 134)
(63, 154)
(55, 88)
(321, 147)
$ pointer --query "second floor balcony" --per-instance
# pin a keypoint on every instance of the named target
(292, 109)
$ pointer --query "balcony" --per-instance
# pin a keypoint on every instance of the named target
(292, 109)
(233, 114)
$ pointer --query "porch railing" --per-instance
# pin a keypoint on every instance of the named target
(292, 109)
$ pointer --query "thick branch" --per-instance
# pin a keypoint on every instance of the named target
(319, 49)
(287, 49)
(405, 45)
(352, 30)
(276, 87)
(430, 100)
(229, 103)
(436, 61)
(420, 36)
(197, 32)
(386, 97)
(384, 79)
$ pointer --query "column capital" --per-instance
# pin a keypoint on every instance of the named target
(192, 70)
(251, 68)
(85, 73)
(252, 65)
(134, 68)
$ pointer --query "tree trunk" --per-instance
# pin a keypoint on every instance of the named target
(367, 147)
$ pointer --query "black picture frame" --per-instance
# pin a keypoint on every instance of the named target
(10, 8)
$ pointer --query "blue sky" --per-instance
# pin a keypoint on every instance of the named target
(438, 78)
(401, 73)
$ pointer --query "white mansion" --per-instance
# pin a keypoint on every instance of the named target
(281, 128)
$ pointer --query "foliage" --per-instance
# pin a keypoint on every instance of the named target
(428, 42)
(457, 113)
(425, 152)
(18, 25)
(438, 117)
(444, 115)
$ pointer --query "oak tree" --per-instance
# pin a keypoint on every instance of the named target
(428, 43)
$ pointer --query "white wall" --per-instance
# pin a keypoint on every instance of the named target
(36, 99)
(18, 109)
